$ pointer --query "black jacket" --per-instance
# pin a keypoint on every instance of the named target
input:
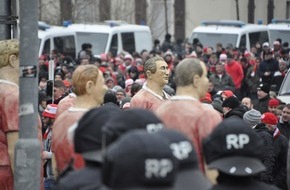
(226, 182)
(269, 157)
(280, 167)
(288, 167)
(236, 112)
(284, 128)
(88, 178)
(268, 66)
(262, 104)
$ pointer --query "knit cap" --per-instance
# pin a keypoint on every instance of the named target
(264, 87)
(50, 111)
(227, 93)
(217, 105)
(269, 118)
(231, 102)
(128, 82)
(252, 117)
(273, 102)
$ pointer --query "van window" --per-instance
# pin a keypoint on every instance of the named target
(143, 41)
(243, 42)
(114, 45)
(282, 34)
(98, 41)
(65, 45)
(46, 47)
(128, 42)
(255, 37)
(211, 39)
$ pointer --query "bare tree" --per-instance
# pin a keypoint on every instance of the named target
(49, 11)
(123, 10)
(86, 11)
(39, 10)
(155, 20)
(179, 20)
(238, 9)
(104, 9)
(270, 10)
(140, 11)
(65, 10)
(251, 11)
(166, 17)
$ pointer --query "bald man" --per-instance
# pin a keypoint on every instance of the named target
(89, 88)
(185, 112)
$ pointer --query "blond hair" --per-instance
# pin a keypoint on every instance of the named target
(8, 48)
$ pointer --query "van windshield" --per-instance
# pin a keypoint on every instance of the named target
(211, 39)
(285, 87)
(98, 41)
(284, 35)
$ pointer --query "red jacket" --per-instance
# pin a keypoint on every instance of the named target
(235, 70)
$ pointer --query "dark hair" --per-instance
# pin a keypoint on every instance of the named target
(288, 106)
(135, 70)
(167, 36)
(280, 107)
(156, 42)
(59, 84)
(41, 96)
(86, 45)
(279, 40)
(60, 73)
(135, 88)
(42, 74)
(244, 60)
(195, 41)
(110, 96)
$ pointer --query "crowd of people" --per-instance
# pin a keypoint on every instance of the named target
(182, 116)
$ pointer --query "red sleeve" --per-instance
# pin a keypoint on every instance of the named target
(141, 101)
(10, 112)
(209, 122)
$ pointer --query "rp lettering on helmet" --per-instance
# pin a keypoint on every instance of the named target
(237, 141)
(158, 168)
(154, 127)
(181, 150)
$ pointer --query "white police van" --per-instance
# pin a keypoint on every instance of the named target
(284, 92)
(236, 33)
(279, 28)
(113, 36)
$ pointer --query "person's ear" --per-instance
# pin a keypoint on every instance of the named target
(13, 61)
(148, 74)
(196, 80)
(89, 87)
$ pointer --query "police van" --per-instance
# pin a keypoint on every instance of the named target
(279, 28)
(112, 36)
(284, 92)
(237, 33)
